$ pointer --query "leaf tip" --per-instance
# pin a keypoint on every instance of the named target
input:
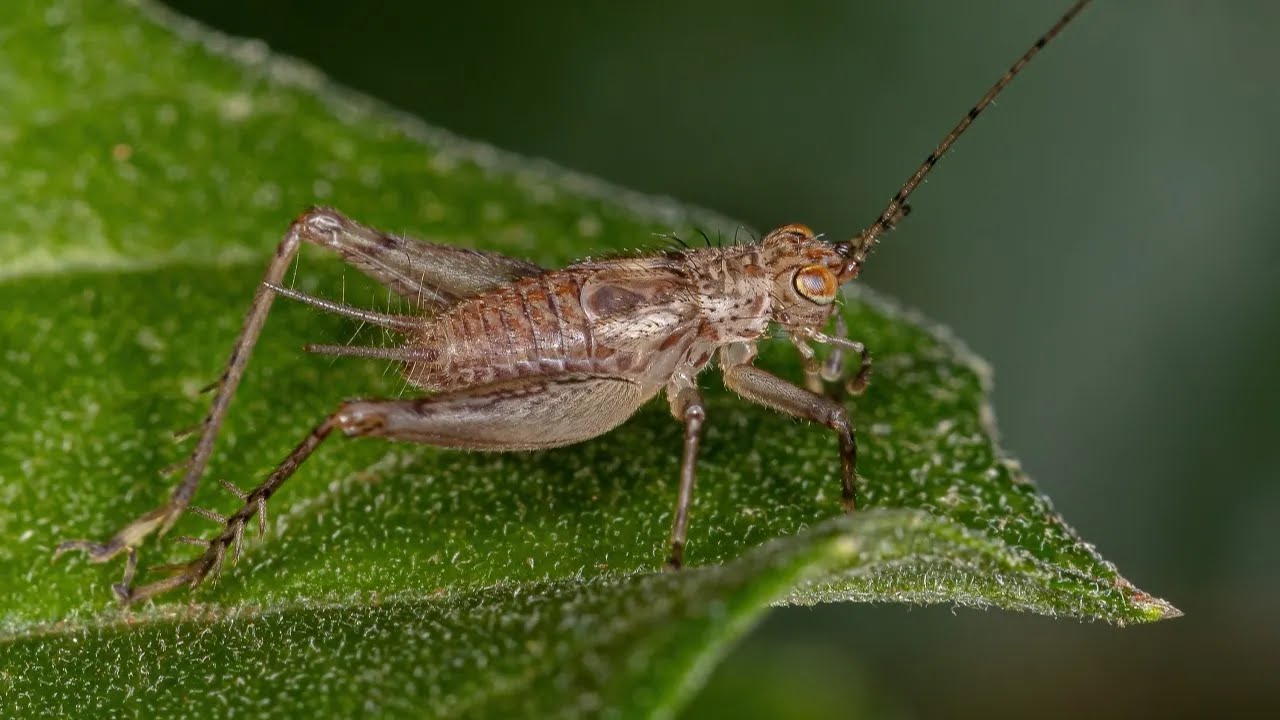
(1150, 608)
(1154, 609)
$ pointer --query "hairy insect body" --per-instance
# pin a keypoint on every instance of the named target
(638, 319)
(514, 356)
(568, 322)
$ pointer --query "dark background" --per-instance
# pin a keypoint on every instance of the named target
(1107, 237)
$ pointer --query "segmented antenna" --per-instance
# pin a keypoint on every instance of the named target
(858, 248)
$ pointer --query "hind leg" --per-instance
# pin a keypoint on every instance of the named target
(523, 415)
(426, 272)
(309, 227)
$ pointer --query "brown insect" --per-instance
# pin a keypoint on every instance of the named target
(518, 357)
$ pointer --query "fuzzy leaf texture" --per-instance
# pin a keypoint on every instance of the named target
(147, 169)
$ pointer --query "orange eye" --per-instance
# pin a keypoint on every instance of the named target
(817, 283)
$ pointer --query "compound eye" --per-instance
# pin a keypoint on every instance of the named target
(817, 283)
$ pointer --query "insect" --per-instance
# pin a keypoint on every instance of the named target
(514, 356)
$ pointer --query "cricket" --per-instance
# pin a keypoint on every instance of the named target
(511, 356)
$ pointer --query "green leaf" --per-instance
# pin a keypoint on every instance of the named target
(148, 168)
(509, 650)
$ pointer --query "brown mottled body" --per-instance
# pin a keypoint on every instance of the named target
(516, 357)
(636, 319)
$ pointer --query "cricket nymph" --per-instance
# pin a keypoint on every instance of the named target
(611, 334)
(513, 356)
(635, 318)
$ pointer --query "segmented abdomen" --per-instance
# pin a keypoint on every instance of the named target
(533, 326)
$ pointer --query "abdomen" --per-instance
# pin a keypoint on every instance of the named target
(531, 327)
(631, 320)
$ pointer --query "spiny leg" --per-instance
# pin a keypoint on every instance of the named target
(319, 226)
(773, 392)
(255, 501)
(687, 407)
(520, 415)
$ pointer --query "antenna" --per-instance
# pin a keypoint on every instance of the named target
(858, 248)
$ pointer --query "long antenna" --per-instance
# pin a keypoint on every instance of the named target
(858, 248)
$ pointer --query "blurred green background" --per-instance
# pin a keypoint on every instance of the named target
(1106, 237)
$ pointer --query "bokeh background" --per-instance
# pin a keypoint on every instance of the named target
(1107, 237)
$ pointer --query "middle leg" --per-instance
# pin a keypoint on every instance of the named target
(687, 407)
(765, 388)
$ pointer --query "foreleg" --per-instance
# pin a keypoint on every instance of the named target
(834, 367)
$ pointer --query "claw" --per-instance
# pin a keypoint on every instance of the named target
(125, 541)
(857, 385)
(123, 593)
(124, 589)
(676, 561)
